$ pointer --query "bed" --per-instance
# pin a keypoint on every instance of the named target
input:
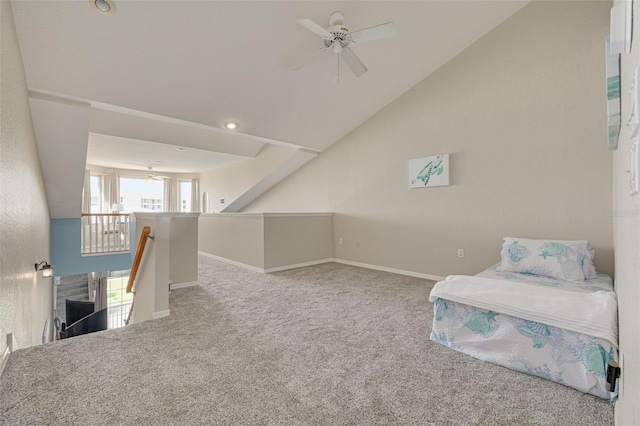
(558, 329)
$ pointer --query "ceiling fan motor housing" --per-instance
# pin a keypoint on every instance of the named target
(340, 40)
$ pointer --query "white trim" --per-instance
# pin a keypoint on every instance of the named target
(105, 253)
(163, 215)
(328, 260)
(161, 314)
(73, 100)
(319, 214)
(5, 358)
(266, 271)
(244, 215)
(233, 262)
(7, 351)
(392, 270)
(297, 265)
(323, 214)
(176, 286)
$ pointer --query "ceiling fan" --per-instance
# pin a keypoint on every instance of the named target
(338, 39)
(150, 177)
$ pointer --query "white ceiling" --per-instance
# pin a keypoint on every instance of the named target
(107, 151)
(172, 72)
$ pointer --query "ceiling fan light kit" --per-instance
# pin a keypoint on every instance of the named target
(150, 176)
(338, 39)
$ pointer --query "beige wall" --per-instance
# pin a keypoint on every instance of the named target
(26, 299)
(267, 242)
(230, 182)
(183, 250)
(239, 238)
(626, 215)
(523, 115)
(297, 239)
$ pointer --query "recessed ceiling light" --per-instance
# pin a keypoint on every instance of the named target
(104, 6)
(231, 125)
(181, 149)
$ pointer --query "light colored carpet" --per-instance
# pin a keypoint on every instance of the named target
(329, 344)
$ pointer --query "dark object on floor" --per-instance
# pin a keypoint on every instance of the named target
(95, 322)
(75, 310)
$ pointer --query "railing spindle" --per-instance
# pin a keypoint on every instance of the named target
(105, 233)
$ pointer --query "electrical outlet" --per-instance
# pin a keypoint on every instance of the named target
(460, 253)
(357, 243)
(340, 241)
(221, 200)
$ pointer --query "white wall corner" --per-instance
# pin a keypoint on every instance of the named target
(4, 358)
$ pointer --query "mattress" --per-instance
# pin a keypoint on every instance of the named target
(566, 357)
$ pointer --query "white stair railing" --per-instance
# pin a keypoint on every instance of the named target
(105, 233)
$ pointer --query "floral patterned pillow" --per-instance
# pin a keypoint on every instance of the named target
(563, 260)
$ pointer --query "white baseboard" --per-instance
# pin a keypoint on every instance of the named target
(176, 286)
(392, 270)
(266, 271)
(161, 314)
(232, 262)
(298, 265)
(7, 351)
(317, 262)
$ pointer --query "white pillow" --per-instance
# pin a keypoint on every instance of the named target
(563, 260)
(588, 268)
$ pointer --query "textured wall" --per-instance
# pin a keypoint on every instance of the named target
(626, 214)
(229, 182)
(26, 299)
(522, 113)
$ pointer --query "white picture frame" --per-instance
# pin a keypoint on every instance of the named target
(430, 171)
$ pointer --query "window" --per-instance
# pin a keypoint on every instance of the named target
(118, 300)
(185, 195)
(138, 195)
(96, 190)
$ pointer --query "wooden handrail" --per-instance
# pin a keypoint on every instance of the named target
(136, 261)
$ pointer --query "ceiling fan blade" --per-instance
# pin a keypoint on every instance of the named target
(304, 60)
(374, 33)
(353, 62)
(312, 26)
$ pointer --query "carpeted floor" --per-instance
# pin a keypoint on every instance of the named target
(328, 344)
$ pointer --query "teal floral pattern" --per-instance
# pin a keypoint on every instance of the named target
(538, 333)
(566, 357)
(563, 260)
(516, 252)
(482, 323)
(554, 249)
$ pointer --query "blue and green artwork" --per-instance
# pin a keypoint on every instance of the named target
(429, 171)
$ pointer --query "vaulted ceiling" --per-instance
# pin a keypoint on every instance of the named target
(161, 74)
